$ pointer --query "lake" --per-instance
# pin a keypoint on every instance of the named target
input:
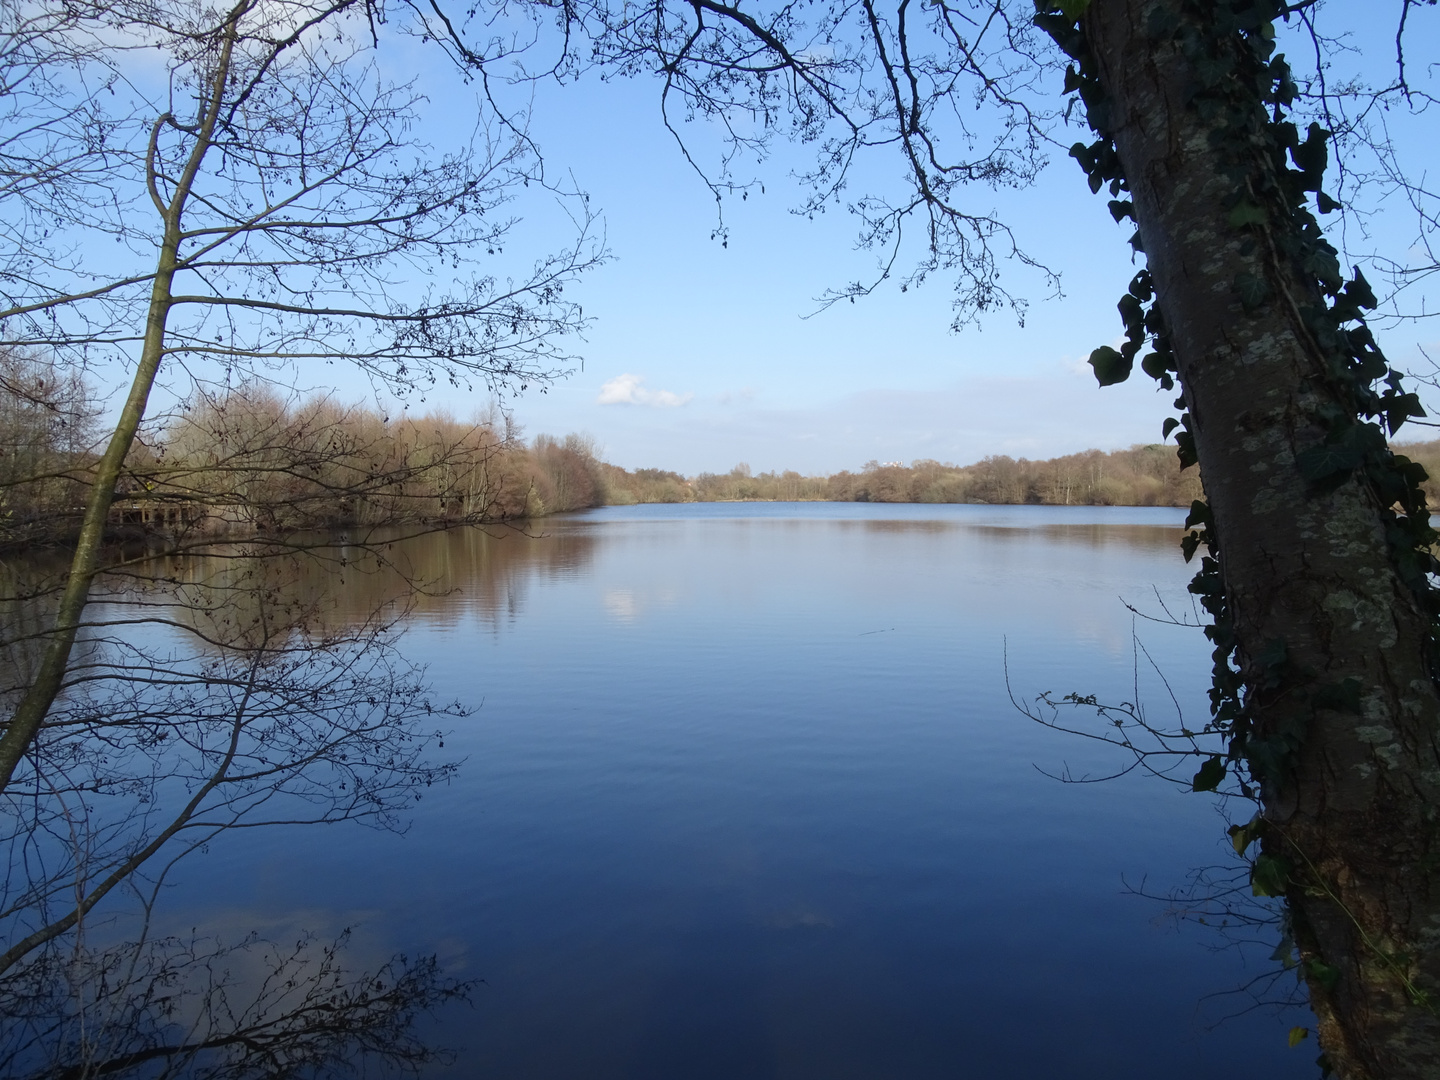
(744, 795)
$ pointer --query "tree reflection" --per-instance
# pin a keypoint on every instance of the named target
(256, 684)
(201, 1008)
(204, 696)
(345, 580)
(1234, 905)
(155, 751)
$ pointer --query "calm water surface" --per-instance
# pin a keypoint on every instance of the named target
(746, 797)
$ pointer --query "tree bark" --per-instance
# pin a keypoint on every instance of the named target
(1357, 815)
(25, 722)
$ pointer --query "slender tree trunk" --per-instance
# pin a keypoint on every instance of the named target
(1357, 815)
(24, 725)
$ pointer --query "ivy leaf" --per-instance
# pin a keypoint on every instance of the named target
(1170, 425)
(1247, 213)
(1098, 114)
(1185, 449)
(1312, 156)
(1298, 1035)
(1400, 408)
(1110, 367)
(1157, 367)
(1242, 836)
(1131, 312)
(1063, 31)
(1073, 9)
(1209, 776)
(1325, 461)
(1284, 953)
(1323, 973)
(1161, 22)
(1325, 203)
(1360, 292)
(1270, 876)
(1253, 290)
(1189, 544)
(1272, 656)
(1334, 459)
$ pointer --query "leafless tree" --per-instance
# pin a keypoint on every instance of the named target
(202, 198)
(268, 207)
(1216, 129)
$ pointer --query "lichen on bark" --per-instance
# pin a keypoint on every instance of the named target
(1317, 535)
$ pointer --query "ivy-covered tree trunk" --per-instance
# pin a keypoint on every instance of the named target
(1318, 582)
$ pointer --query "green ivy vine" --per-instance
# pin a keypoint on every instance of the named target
(1245, 90)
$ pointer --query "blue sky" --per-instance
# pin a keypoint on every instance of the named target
(701, 356)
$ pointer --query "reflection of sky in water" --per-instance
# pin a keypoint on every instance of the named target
(622, 605)
(746, 797)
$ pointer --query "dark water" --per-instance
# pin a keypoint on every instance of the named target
(746, 797)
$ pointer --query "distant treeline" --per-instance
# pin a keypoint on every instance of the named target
(251, 459)
(1140, 476)
(248, 459)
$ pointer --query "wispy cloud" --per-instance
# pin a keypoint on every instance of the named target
(627, 390)
(744, 396)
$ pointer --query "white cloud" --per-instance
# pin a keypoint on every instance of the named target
(626, 390)
(1061, 410)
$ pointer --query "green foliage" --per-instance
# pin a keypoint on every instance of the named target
(1210, 775)
(1110, 366)
(1242, 836)
(1326, 975)
(1243, 92)
(1270, 876)
(1231, 46)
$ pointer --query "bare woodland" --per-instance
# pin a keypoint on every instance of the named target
(267, 208)
(200, 201)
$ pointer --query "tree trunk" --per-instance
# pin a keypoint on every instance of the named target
(1356, 813)
(25, 722)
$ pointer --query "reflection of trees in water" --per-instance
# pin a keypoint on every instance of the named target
(199, 1008)
(335, 582)
(1141, 537)
(241, 688)
(1100, 535)
(29, 595)
(1239, 913)
(1221, 900)
(152, 754)
(1088, 534)
(486, 572)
